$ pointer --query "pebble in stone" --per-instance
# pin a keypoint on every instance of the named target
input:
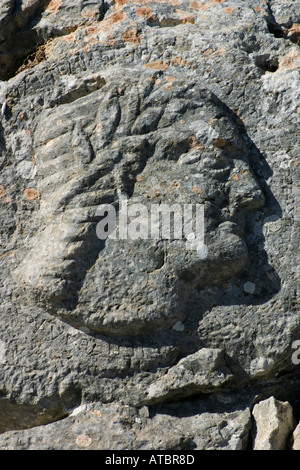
(249, 287)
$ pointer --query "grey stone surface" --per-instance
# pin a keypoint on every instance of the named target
(296, 439)
(167, 102)
(119, 427)
(274, 423)
(197, 373)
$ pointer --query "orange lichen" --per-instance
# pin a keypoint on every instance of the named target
(174, 3)
(228, 10)
(180, 61)
(157, 65)
(221, 50)
(92, 30)
(294, 32)
(235, 177)
(156, 192)
(171, 2)
(147, 13)
(83, 441)
(2, 192)
(119, 4)
(89, 14)
(220, 143)
(131, 35)
(32, 194)
(194, 143)
(112, 20)
(198, 5)
(291, 61)
(185, 17)
(70, 38)
(170, 79)
(87, 49)
(198, 190)
(209, 53)
(90, 42)
(54, 6)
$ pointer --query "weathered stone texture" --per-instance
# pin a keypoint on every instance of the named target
(123, 427)
(296, 438)
(274, 422)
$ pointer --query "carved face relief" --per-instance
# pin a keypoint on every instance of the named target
(148, 144)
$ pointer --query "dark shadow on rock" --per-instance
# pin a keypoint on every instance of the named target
(17, 416)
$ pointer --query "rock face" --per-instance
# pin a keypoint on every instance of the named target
(274, 423)
(149, 220)
(123, 427)
(201, 372)
(296, 438)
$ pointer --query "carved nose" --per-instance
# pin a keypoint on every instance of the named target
(245, 191)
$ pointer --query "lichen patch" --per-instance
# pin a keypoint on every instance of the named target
(146, 13)
(32, 194)
(198, 5)
(2, 192)
(157, 65)
(54, 6)
(131, 35)
(112, 20)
